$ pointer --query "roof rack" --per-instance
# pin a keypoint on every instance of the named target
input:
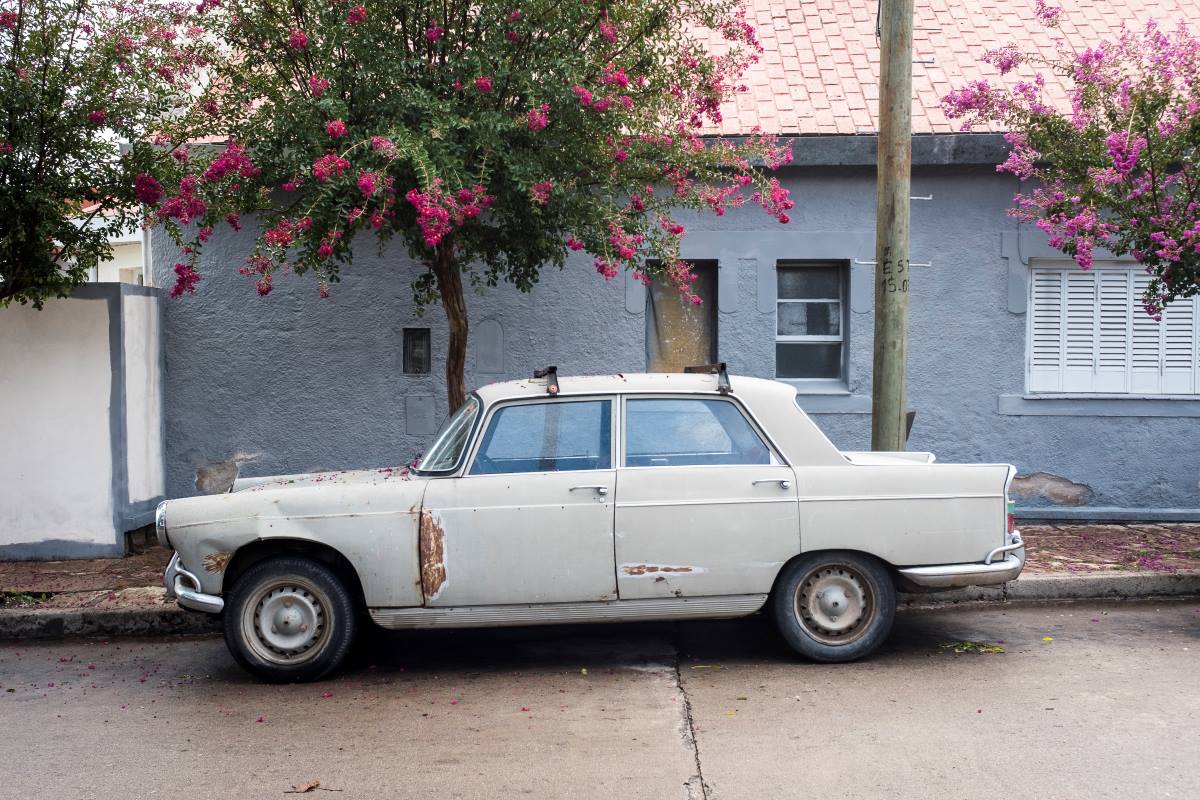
(718, 369)
(551, 374)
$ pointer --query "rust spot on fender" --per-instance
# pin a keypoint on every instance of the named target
(432, 551)
(216, 562)
(646, 569)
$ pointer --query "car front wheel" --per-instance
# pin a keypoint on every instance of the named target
(835, 606)
(289, 619)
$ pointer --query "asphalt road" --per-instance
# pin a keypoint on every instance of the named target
(1108, 706)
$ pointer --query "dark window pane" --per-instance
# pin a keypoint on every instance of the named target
(810, 319)
(808, 360)
(547, 437)
(417, 351)
(673, 433)
(801, 283)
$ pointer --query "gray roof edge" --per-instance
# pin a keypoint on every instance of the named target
(928, 149)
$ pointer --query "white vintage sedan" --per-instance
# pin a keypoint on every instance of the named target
(593, 499)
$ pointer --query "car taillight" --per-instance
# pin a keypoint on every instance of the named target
(1011, 518)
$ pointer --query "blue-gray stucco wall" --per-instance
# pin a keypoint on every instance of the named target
(292, 383)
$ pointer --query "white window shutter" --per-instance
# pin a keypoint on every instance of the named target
(1046, 331)
(1179, 347)
(1088, 333)
(1113, 322)
(1079, 371)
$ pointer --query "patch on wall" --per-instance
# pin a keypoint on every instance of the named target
(217, 477)
(1058, 490)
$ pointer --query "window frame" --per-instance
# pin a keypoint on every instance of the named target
(427, 335)
(1068, 268)
(776, 454)
(841, 383)
(486, 420)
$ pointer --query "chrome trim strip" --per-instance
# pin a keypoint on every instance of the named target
(192, 598)
(658, 608)
(160, 524)
(853, 498)
(738, 501)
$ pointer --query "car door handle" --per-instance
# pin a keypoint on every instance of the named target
(600, 489)
(784, 483)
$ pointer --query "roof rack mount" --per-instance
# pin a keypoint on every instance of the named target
(551, 375)
(719, 369)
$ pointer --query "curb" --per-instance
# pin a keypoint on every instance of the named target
(1034, 588)
(150, 616)
(55, 623)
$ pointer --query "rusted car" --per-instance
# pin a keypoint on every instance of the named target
(593, 499)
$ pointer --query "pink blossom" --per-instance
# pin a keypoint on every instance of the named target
(325, 249)
(1049, 15)
(620, 156)
(96, 117)
(538, 118)
(602, 104)
(298, 39)
(147, 190)
(384, 146)
(512, 36)
(8, 20)
(514, 16)
(357, 15)
(608, 30)
(606, 268)
(264, 287)
(186, 279)
(233, 161)
(234, 221)
(317, 85)
(574, 244)
(585, 97)
(540, 192)
(367, 183)
(615, 77)
(434, 31)
(329, 166)
(335, 128)
(483, 84)
(205, 233)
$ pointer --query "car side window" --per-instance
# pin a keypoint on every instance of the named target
(555, 436)
(690, 432)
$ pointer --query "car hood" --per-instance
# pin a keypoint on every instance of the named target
(343, 477)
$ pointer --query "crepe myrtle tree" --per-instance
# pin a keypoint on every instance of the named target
(491, 137)
(84, 84)
(1120, 169)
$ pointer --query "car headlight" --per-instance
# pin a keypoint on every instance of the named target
(160, 524)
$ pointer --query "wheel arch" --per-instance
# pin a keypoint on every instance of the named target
(783, 568)
(259, 550)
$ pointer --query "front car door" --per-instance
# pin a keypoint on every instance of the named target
(531, 520)
(705, 505)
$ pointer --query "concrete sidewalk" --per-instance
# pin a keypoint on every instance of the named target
(113, 597)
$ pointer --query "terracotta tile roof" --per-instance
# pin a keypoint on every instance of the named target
(820, 70)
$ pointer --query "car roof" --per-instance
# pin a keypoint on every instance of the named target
(749, 389)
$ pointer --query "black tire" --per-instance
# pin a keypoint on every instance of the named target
(854, 584)
(310, 608)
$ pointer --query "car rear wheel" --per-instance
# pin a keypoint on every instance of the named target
(289, 619)
(835, 606)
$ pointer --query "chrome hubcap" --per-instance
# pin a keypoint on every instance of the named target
(287, 622)
(834, 604)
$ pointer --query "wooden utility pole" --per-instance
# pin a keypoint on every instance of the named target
(894, 168)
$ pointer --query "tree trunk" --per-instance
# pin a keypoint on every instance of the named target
(449, 283)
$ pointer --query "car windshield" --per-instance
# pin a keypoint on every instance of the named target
(451, 439)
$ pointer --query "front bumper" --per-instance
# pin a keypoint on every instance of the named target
(1000, 566)
(185, 588)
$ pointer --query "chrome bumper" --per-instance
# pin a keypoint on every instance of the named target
(185, 588)
(999, 566)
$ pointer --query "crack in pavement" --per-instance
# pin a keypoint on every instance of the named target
(697, 787)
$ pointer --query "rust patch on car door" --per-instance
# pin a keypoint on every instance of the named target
(647, 569)
(432, 551)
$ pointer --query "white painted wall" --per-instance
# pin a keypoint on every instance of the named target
(143, 398)
(55, 454)
(125, 266)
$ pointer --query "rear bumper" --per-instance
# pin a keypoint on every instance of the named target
(185, 588)
(1000, 566)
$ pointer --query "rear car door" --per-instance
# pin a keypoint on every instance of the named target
(531, 521)
(705, 505)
